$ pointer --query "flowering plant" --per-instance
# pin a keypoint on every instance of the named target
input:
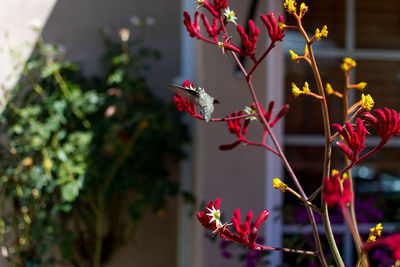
(72, 154)
(336, 188)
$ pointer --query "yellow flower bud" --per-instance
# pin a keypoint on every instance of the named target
(295, 90)
(306, 88)
(295, 57)
(278, 184)
(290, 6)
(324, 31)
(303, 9)
(367, 102)
(374, 232)
(348, 64)
(329, 89)
(317, 34)
(362, 85)
(377, 230)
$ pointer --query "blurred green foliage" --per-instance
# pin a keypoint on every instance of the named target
(83, 159)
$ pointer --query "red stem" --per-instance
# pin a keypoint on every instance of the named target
(272, 45)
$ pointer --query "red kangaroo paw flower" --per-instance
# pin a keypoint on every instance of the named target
(275, 33)
(386, 122)
(192, 27)
(354, 139)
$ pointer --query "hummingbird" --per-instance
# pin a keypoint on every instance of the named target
(198, 97)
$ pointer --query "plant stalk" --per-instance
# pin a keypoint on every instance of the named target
(328, 147)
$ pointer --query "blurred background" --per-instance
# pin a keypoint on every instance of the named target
(98, 168)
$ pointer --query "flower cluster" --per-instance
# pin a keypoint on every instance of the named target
(246, 233)
(354, 140)
(348, 64)
(367, 102)
(249, 43)
(208, 220)
(337, 190)
(375, 232)
(321, 33)
(386, 123)
(274, 28)
(221, 15)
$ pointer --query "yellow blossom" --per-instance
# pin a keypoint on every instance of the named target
(322, 33)
(374, 232)
(329, 89)
(278, 184)
(361, 85)
(306, 88)
(372, 238)
(367, 102)
(377, 230)
(290, 6)
(295, 57)
(303, 9)
(348, 64)
(295, 90)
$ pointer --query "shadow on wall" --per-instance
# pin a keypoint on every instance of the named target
(75, 24)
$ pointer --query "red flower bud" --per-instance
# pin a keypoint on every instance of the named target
(261, 218)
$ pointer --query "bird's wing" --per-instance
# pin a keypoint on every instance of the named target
(188, 94)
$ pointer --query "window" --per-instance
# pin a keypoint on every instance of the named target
(369, 32)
